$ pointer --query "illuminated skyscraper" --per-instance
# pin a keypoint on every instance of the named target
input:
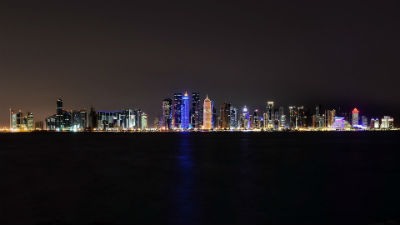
(270, 112)
(207, 114)
(167, 113)
(185, 112)
(282, 118)
(255, 123)
(265, 120)
(196, 116)
(330, 117)
(61, 121)
(138, 118)
(387, 122)
(354, 117)
(143, 121)
(292, 117)
(225, 116)
(302, 116)
(234, 118)
(177, 110)
(245, 118)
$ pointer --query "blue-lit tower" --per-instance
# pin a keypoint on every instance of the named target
(185, 112)
(177, 110)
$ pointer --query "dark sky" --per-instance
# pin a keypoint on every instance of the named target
(118, 54)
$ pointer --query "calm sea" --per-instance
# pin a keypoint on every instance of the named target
(200, 178)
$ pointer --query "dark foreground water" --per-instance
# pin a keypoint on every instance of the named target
(200, 178)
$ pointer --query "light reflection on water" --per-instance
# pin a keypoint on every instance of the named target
(184, 196)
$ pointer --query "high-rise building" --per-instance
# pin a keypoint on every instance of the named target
(319, 120)
(144, 120)
(167, 113)
(196, 116)
(302, 117)
(234, 118)
(265, 120)
(207, 114)
(364, 121)
(270, 112)
(177, 110)
(214, 115)
(127, 120)
(59, 106)
(282, 118)
(276, 122)
(355, 117)
(245, 118)
(255, 122)
(185, 112)
(61, 121)
(92, 121)
(330, 117)
(387, 122)
(20, 122)
(78, 120)
(138, 118)
(293, 117)
(225, 116)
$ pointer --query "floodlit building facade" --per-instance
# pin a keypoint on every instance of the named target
(207, 114)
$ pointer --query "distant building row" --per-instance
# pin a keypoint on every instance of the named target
(183, 113)
(82, 120)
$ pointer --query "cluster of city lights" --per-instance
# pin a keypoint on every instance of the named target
(186, 112)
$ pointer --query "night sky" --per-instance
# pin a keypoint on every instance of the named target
(120, 54)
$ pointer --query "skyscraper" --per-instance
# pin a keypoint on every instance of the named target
(270, 112)
(61, 121)
(255, 123)
(331, 114)
(59, 106)
(234, 118)
(185, 112)
(225, 115)
(143, 121)
(292, 117)
(245, 120)
(138, 118)
(167, 113)
(196, 111)
(282, 118)
(177, 110)
(92, 121)
(207, 114)
(354, 117)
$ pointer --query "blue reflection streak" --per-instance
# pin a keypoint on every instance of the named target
(185, 205)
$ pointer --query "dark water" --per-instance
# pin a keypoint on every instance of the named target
(200, 178)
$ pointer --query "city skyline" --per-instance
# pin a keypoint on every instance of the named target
(185, 112)
(368, 110)
(119, 55)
